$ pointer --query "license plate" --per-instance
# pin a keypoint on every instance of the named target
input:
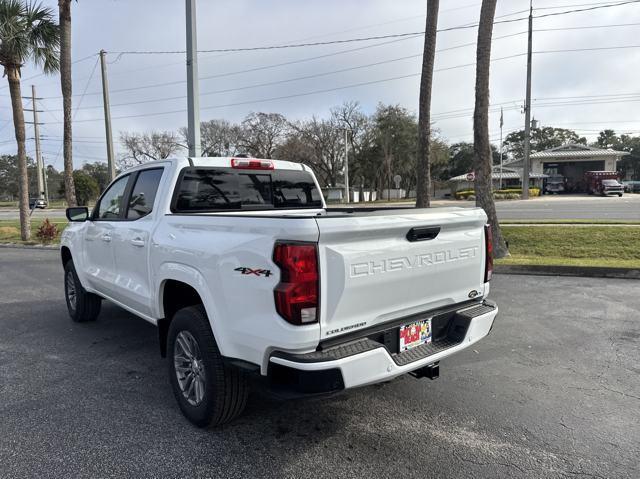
(415, 334)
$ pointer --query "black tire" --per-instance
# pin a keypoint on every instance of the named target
(619, 195)
(82, 305)
(224, 389)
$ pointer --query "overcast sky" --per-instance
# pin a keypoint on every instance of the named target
(158, 25)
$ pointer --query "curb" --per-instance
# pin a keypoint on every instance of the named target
(52, 247)
(584, 271)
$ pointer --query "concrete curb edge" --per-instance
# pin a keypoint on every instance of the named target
(585, 271)
(30, 246)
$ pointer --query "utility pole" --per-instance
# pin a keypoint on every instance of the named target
(346, 164)
(36, 134)
(107, 116)
(193, 91)
(527, 112)
(501, 125)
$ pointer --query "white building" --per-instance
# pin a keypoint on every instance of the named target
(572, 161)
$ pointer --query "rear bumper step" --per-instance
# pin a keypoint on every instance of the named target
(376, 357)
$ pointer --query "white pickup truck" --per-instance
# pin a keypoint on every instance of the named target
(245, 271)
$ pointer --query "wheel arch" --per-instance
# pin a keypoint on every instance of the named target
(179, 288)
(65, 255)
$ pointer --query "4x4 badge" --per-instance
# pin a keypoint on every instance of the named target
(257, 272)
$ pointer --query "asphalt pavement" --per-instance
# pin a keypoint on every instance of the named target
(554, 391)
(546, 207)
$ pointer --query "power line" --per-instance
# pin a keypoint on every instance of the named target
(586, 27)
(220, 75)
(569, 50)
(317, 75)
(296, 95)
(362, 39)
(288, 80)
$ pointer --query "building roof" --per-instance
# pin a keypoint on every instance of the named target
(507, 174)
(574, 150)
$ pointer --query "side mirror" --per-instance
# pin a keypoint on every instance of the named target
(78, 214)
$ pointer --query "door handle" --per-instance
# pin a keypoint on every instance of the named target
(106, 238)
(423, 233)
(137, 242)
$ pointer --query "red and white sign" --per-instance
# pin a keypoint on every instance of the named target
(471, 176)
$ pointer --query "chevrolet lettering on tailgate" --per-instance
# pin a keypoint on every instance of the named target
(417, 261)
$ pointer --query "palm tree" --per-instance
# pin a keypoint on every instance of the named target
(482, 157)
(64, 9)
(27, 32)
(423, 188)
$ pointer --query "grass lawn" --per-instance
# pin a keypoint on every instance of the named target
(570, 222)
(612, 246)
(10, 230)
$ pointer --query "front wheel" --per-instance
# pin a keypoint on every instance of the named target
(619, 195)
(209, 392)
(82, 305)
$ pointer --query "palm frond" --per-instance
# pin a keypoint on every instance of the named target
(28, 31)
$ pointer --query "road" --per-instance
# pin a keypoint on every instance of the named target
(547, 207)
(554, 391)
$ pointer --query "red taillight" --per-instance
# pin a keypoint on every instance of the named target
(488, 248)
(296, 294)
(251, 164)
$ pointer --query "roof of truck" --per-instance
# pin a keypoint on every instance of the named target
(215, 161)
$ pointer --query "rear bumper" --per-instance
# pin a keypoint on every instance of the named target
(366, 361)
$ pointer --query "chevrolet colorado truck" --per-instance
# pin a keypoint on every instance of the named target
(244, 271)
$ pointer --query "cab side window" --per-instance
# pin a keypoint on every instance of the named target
(143, 193)
(111, 202)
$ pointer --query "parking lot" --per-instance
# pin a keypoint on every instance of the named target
(554, 391)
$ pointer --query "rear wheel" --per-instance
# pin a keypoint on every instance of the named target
(208, 391)
(82, 305)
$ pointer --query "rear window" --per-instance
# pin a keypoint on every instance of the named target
(220, 189)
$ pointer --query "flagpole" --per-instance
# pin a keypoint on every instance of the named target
(501, 124)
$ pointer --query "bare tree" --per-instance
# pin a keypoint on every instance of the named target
(64, 12)
(143, 147)
(218, 138)
(423, 189)
(321, 143)
(482, 157)
(262, 133)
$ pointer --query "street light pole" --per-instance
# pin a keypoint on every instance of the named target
(501, 125)
(346, 163)
(36, 133)
(527, 112)
(193, 92)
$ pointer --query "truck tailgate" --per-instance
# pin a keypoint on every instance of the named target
(380, 266)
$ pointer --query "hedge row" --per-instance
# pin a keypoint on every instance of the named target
(508, 193)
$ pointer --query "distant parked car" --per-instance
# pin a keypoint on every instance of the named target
(37, 203)
(631, 186)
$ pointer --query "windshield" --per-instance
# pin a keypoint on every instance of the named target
(610, 183)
